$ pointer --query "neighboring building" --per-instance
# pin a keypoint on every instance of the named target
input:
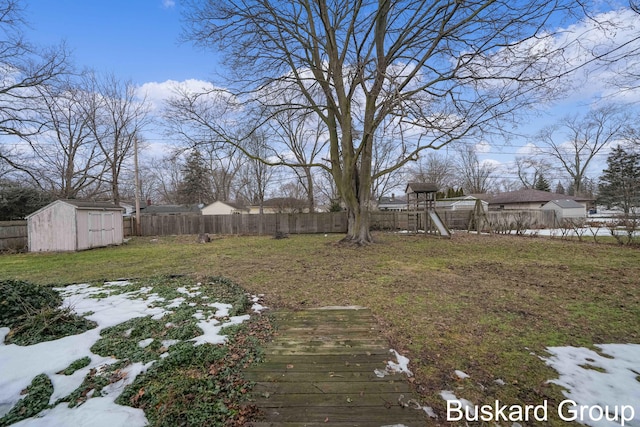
(463, 203)
(130, 207)
(281, 205)
(566, 209)
(392, 203)
(74, 225)
(530, 200)
(223, 208)
(171, 209)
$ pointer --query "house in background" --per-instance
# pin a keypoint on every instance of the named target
(130, 207)
(566, 209)
(223, 208)
(281, 205)
(464, 203)
(74, 225)
(531, 200)
(171, 209)
(392, 203)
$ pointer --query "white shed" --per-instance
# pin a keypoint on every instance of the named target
(74, 225)
(566, 208)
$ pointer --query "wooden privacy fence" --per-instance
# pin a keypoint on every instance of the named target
(13, 235)
(162, 225)
(392, 221)
(328, 222)
(506, 221)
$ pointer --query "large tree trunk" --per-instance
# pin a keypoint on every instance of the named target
(357, 196)
(358, 227)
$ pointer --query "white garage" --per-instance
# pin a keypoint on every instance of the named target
(566, 209)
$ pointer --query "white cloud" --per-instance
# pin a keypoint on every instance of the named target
(168, 4)
(593, 55)
(157, 93)
(482, 147)
(528, 149)
(492, 163)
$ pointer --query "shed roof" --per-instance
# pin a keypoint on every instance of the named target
(90, 204)
(79, 204)
(421, 187)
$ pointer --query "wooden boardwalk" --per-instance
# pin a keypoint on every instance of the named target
(320, 370)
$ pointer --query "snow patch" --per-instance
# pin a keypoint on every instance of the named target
(449, 395)
(461, 374)
(402, 365)
(145, 343)
(605, 378)
(19, 365)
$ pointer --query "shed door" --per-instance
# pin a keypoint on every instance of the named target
(101, 229)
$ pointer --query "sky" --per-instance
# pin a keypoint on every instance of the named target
(139, 41)
(136, 40)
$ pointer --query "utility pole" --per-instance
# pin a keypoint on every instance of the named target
(137, 184)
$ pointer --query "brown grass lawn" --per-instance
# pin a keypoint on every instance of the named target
(486, 305)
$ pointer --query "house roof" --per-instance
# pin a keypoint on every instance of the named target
(284, 201)
(567, 204)
(171, 209)
(529, 196)
(392, 200)
(451, 201)
(421, 187)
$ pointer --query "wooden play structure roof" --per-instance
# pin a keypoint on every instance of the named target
(421, 187)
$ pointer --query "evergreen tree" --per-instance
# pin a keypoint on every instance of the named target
(620, 181)
(542, 184)
(559, 188)
(195, 187)
(16, 201)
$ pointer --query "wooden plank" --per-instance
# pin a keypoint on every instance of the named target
(352, 359)
(321, 369)
(339, 376)
(303, 366)
(325, 341)
(388, 386)
(310, 351)
(378, 416)
(348, 400)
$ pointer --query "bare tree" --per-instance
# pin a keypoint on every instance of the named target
(574, 141)
(475, 176)
(24, 68)
(64, 158)
(118, 118)
(439, 70)
(165, 174)
(529, 170)
(434, 168)
(304, 139)
(256, 174)
(225, 163)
